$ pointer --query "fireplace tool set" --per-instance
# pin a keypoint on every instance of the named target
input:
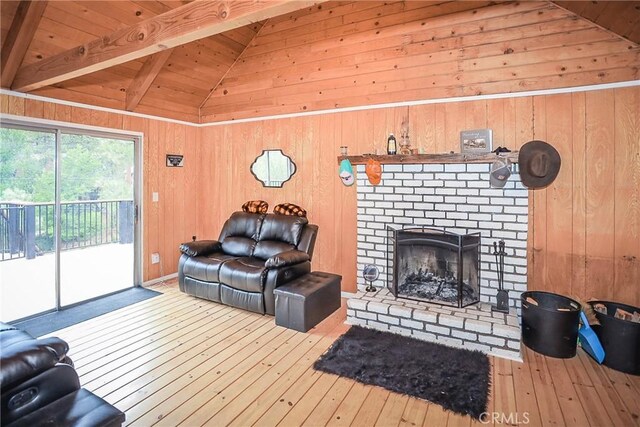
(502, 297)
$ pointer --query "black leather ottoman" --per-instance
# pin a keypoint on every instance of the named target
(307, 300)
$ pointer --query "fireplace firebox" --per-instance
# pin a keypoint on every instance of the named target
(434, 266)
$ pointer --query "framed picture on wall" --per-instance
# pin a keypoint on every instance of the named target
(476, 141)
(175, 160)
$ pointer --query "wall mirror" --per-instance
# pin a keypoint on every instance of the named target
(273, 168)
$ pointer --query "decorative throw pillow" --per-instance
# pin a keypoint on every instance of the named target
(255, 206)
(289, 209)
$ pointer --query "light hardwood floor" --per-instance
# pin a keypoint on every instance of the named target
(177, 360)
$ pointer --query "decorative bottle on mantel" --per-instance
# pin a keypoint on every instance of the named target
(391, 145)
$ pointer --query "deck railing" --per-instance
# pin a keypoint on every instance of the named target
(27, 229)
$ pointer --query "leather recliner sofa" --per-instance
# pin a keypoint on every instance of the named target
(255, 254)
(40, 386)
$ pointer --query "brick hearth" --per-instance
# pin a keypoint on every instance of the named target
(474, 327)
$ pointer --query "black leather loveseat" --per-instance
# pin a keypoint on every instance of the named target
(255, 254)
(40, 387)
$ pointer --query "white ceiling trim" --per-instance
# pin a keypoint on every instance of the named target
(334, 110)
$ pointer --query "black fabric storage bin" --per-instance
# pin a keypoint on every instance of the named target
(547, 330)
(619, 338)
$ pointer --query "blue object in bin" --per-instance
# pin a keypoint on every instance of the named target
(589, 340)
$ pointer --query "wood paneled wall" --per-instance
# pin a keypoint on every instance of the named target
(173, 219)
(584, 232)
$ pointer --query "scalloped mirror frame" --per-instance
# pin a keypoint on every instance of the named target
(266, 182)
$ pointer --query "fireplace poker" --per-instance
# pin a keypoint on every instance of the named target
(502, 298)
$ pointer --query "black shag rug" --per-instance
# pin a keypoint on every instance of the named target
(454, 378)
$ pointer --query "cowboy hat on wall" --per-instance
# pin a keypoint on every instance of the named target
(539, 164)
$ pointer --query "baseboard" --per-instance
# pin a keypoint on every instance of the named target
(160, 279)
(344, 294)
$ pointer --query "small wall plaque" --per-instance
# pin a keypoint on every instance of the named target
(476, 141)
(175, 160)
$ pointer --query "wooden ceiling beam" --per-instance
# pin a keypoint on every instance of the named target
(145, 77)
(23, 28)
(182, 25)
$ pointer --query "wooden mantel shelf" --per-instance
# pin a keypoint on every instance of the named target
(430, 158)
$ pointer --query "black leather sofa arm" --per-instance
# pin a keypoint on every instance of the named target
(59, 346)
(28, 358)
(37, 392)
(200, 247)
(287, 258)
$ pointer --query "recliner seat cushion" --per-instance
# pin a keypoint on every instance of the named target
(282, 228)
(246, 273)
(206, 268)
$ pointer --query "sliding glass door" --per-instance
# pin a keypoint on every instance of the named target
(27, 222)
(68, 217)
(97, 216)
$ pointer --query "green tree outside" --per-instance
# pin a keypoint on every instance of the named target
(91, 168)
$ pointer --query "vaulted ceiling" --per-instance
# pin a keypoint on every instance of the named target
(214, 61)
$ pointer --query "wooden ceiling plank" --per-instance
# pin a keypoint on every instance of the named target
(575, 6)
(23, 28)
(243, 35)
(594, 9)
(145, 77)
(231, 67)
(118, 14)
(590, 14)
(393, 15)
(549, 48)
(322, 12)
(199, 74)
(405, 90)
(505, 31)
(69, 94)
(155, 7)
(417, 90)
(176, 95)
(177, 81)
(485, 64)
(76, 16)
(179, 26)
(444, 26)
(627, 20)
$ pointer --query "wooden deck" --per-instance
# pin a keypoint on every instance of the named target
(177, 360)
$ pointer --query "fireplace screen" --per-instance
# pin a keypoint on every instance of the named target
(435, 266)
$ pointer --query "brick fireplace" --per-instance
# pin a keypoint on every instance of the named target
(455, 198)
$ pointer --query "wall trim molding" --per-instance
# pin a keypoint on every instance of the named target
(160, 279)
(540, 92)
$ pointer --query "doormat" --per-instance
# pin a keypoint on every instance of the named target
(47, 323)
(454, 378)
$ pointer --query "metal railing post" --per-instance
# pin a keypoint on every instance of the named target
(30, 231)
(125, 221)
(14, 228)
